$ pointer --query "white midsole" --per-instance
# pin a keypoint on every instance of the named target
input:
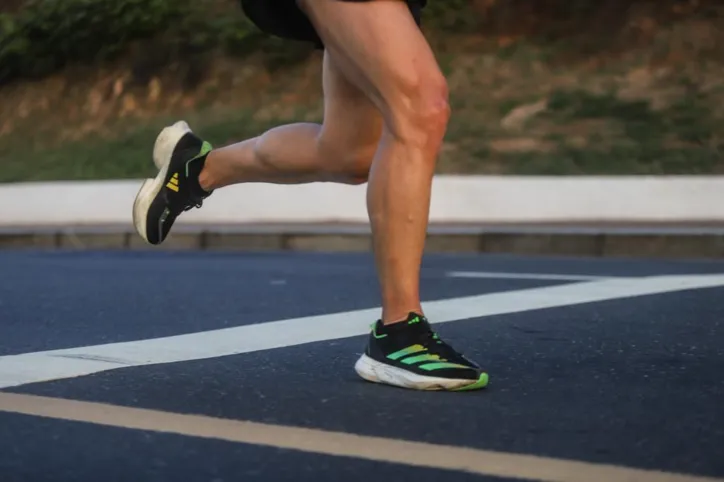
(162, 151)
(374, 371)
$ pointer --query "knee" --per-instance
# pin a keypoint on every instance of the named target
(349, 164)
(356, 164)
(421, 110)
(360, 167)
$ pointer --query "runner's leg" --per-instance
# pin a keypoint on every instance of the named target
(381, 49)
(339, 150)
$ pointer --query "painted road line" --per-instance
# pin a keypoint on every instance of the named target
(418, 454)
(532, 276)
(42, 366)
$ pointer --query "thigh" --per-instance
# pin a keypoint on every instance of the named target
(352, 123)
(380, 48)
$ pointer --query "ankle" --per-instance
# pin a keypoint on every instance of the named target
(206, 179)
(390, 317)
(209, 178)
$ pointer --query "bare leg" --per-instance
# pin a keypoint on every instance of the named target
(381, 49)
(386, 112)
(340, 150)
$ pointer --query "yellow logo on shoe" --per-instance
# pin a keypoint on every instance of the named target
(173, 183)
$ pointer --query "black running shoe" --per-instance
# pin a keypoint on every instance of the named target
(410, 354)
(179, 155)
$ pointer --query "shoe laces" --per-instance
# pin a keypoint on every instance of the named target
(437, 346)
(196, 204)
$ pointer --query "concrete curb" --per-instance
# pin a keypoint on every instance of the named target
(661, 216)
(456, 199)
(598, 241)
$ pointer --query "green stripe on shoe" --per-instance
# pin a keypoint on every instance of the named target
(441, 365)
(406, 351)
(420, 358)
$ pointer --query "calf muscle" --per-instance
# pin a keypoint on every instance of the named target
(381, 50)
(339, 150)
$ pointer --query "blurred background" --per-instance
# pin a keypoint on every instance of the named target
(553, 87)
(561, 111)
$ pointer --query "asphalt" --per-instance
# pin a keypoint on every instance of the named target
(635, 382)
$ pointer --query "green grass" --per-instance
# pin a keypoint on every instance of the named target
(582, 132)
(618, 161)
(680, 139)
(687, 120)
(585, 129)
(129, 156)
(124, 157)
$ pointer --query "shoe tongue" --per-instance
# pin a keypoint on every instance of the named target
(416, 319)
(195, 167)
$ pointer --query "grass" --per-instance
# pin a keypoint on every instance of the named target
(634, 142)
(626, 117)
(127, 156)
(626, 138)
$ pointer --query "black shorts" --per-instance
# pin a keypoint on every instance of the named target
(284, 18)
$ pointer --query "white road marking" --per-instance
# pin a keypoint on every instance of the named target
(340, 444)
(535, 276)
(42, 366)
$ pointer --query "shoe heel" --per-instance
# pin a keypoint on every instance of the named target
(141, 204)
(365, 370)
(166, 142)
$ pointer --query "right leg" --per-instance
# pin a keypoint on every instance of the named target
(380, 48)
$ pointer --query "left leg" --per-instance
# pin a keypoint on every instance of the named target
(339, 150)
